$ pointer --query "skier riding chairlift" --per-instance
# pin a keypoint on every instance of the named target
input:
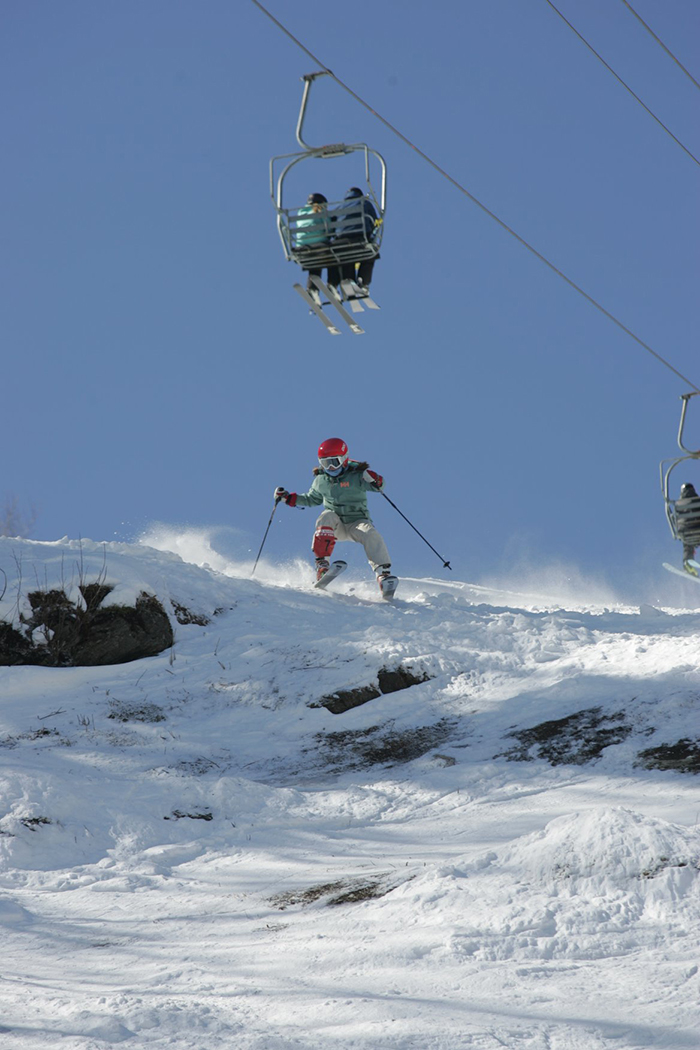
(340, 255)
(683, 514)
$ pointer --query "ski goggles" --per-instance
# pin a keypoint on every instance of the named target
(332, 462)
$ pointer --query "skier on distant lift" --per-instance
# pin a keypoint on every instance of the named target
(688, 524)
(341, 485)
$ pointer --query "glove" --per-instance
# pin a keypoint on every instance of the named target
(290, 498)
(372, 478)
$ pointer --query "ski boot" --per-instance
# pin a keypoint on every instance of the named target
(689, 563)
(387, 582)
(322, 567)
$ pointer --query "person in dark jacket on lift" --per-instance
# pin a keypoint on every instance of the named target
(355, 221)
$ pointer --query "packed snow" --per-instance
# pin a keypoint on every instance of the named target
(196, 853)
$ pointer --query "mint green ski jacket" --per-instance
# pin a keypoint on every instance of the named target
(345, 495)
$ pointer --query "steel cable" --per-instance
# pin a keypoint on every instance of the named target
(475, 200)
(621, 81)
(659, 41)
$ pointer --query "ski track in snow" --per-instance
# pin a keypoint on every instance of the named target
(236, 875)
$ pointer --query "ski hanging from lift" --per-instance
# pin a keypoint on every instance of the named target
(357, 297)
(334, 300)
(693, 576)
(316, 308)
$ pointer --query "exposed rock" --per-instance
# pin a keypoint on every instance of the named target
(15, 648)
(177, 814)
(119, 634)
(345, 699)
(61, 633)
(392, 680)
(389, 680)
(185, 616)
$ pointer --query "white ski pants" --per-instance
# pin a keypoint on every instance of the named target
(330, 528)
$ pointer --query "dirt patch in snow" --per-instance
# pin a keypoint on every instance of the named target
(380, 745)
(683, 756)
(574, 740)
(344, 891)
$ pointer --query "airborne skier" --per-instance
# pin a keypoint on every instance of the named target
(341, 485)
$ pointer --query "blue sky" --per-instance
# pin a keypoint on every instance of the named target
(158, 366)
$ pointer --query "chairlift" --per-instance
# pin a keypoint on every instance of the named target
(291, 220)
(682, 513)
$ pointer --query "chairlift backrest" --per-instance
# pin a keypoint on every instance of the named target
(336, 235)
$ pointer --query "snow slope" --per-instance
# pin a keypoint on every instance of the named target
(195, 853)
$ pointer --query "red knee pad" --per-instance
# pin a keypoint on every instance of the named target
(324, 542)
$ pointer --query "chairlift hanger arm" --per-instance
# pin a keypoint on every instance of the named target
(667, 466)
(308, 79)
(335, 149)
(685, 398)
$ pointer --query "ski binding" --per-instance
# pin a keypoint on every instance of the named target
(335, 570)
(357, 298)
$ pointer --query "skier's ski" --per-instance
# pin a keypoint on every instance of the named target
(354, 294)
(335, 570)
(388, 587)
(683, 573)
(315, 307)
(335, 300)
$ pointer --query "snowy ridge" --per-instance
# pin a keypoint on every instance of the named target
(196, 853)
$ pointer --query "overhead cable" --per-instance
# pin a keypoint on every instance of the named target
(658, 41)
(475, 200)
(621, 81)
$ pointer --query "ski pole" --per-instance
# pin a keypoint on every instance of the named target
(445, 564)
(265, 536)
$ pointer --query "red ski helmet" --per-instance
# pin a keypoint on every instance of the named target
(333, 455)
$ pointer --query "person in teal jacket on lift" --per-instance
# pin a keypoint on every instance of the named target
(341, 484)
(313, 230)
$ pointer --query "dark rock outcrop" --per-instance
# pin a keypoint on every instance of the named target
(61, 633)
(389, 680)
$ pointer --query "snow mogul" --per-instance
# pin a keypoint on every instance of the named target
(341, 484)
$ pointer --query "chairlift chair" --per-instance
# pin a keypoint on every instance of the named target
(683, 514)
(330, 254)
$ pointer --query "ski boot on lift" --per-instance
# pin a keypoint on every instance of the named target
(689, 563)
